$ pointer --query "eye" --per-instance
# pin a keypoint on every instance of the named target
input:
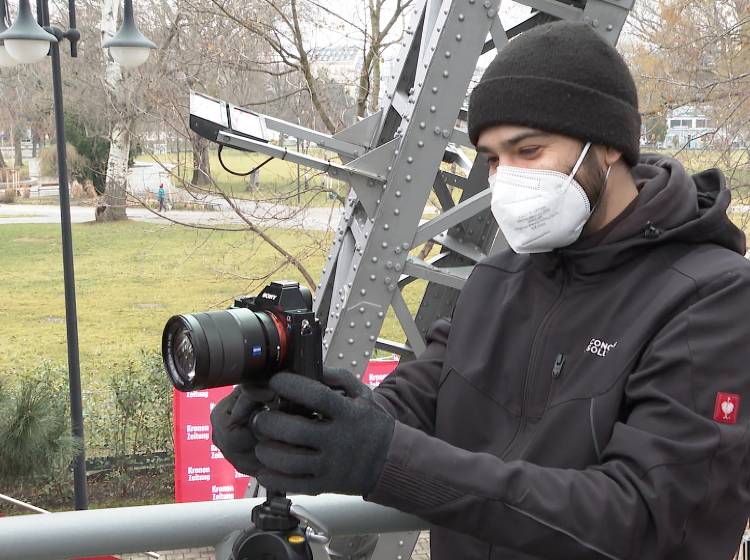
(493, 162)
(528, 151)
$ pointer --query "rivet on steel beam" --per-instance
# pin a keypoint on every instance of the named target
(361, 309)
(389, 265)
(354, 363)
(609, 27)
(423, 125)
(397, 250)
(392, 287)
(350, 341)
(398, 268)
(420, 144)
(410, 160)
(433, 109)
(352, 325)
(386, 227)
(461, 17)
(372, 337)
(373, 277)
(445, 74)
(595, 23)
(381, 314)
(446, 133)
(363, 292)
(341, 356)
(388, 280)
(384, 245)
(459, 37)
(367, 354)
(368, 324)
(405, 246)
(398, 194)
(408, 178)
(434, 89)
(396, 211)
(447, 54)
(437, 131)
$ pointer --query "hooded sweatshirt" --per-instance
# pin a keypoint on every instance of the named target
(592, 402)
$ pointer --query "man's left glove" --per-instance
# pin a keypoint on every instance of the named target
(342, 453)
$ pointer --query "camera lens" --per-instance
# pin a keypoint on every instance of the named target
(221, 348)
(184, 355)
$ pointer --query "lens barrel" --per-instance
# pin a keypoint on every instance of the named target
(219, 348)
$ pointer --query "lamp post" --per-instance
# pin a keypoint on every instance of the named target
(29, 41)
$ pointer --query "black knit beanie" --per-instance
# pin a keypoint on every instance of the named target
(564, 78)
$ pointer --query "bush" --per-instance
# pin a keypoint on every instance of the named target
(134, 417)
(76, 163)
(35, 441)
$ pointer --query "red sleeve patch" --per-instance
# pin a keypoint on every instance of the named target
(727, 408)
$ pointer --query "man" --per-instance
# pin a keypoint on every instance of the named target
(588, 398)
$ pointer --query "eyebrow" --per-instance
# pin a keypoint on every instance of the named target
(513, 140)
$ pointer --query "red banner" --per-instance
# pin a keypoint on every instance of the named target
(201, 472)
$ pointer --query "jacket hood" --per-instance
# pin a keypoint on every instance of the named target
(672, 207)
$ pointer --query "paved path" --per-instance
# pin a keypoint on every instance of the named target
(263, 215)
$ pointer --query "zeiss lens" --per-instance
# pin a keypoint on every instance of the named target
(220, 348)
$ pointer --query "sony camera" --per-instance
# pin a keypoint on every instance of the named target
(247, 343)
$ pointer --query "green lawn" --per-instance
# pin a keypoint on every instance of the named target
(130, 278)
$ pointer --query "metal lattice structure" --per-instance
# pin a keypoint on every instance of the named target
(393, 161)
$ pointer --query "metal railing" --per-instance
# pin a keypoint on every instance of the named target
(177, 526)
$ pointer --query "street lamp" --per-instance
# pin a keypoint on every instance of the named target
(29, 41)
(129, 47)
(5, 59)
(26, 41)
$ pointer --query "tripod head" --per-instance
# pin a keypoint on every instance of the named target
(276, 534)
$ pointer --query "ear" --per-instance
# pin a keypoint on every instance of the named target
(611, 156)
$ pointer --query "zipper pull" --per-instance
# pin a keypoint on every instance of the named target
(559, 363)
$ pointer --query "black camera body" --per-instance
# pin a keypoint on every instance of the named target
(247, 343)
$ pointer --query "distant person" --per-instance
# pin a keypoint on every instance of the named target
(162, 197)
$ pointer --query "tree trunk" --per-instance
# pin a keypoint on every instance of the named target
(375, 91)
(112, 205)
(2, 160)
(17, 147)
(201, 161)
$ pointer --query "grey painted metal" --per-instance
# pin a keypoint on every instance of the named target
(454, 45)
(165, 527)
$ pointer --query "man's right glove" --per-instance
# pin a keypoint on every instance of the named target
(231, 422)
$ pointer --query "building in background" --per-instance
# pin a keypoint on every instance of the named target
(690, 127)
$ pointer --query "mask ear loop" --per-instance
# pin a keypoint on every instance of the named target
(601, 194)
(578, 163)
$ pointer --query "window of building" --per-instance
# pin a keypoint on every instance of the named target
(701, 123)
(674, 123)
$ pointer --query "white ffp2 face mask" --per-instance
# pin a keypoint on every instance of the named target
(539, 210)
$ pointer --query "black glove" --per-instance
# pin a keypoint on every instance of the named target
(231, 422)
(343, 453)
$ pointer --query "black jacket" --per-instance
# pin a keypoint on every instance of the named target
(571, 409)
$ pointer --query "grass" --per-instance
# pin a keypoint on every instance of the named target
(130, 278)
